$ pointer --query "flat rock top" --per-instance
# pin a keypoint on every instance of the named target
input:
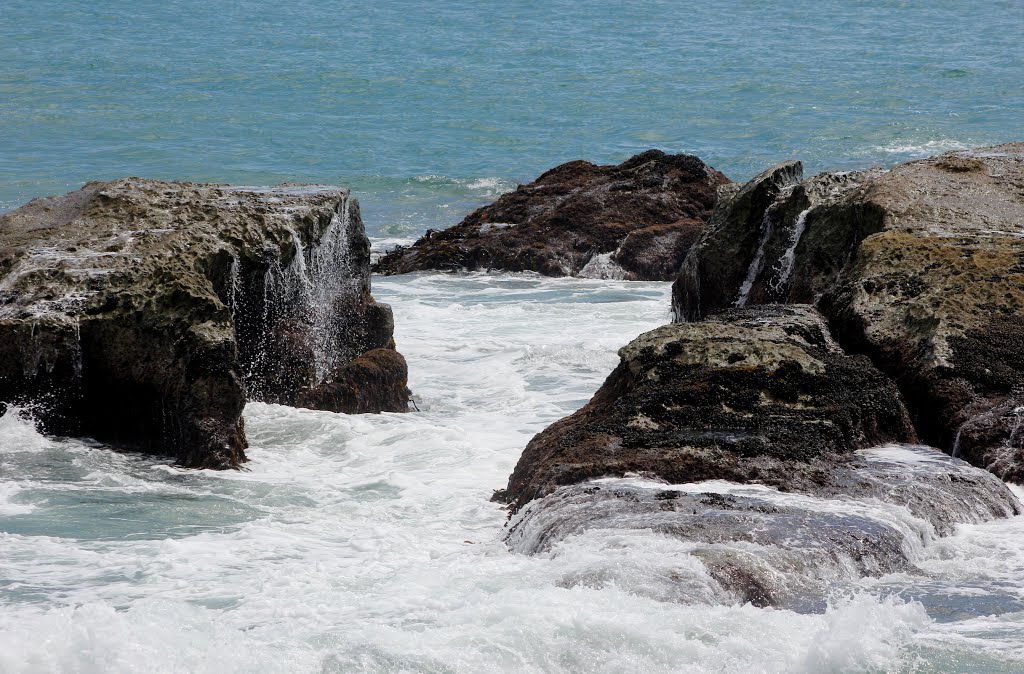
(977, 192)
(58, 255)
(762, 336)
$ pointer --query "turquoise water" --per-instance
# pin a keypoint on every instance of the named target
(368, 542)
(427, 109)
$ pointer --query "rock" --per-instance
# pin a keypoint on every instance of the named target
(869, 517)
(634, 221)
(752, 438)
(921, 268)
(758, 395)
(141, 312)
(727, 246)
(757, 246)
(373, 382)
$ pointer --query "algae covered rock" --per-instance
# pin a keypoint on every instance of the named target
(635, 220)
(143, 312)
(920, 267)
(756, 395)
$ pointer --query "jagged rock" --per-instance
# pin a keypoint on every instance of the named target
(765, 399)
(141, 312)
(726, 247)
(635, 220)
(920, 267)
(758, 395)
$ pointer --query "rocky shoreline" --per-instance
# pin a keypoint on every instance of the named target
(815, 319)
(826, 331)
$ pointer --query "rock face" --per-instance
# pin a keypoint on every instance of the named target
(142, 312)
(761, 397)
(921, 268)
(634, 221)
(762, 394)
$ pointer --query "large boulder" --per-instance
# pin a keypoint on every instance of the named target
(142, 313)
(762, 394)
(920, 267)
(635, 221)
(753, 438)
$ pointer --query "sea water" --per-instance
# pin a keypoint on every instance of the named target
(368, 543)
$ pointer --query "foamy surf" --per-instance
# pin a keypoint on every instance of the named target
(368, 543)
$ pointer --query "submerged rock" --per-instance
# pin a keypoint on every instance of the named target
(141, 312)
(920, 267)
(752, 437)
(635, 220)
(871, 516)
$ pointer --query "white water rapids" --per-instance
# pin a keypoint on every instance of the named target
(368, 543)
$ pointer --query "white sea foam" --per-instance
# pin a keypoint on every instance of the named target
(367, 543)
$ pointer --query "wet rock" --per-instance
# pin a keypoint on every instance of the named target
(754, 440)
(870, 516)
(711, 276)
(143, 312)
(781, 238)
(921, 268)
(374, 382)
(635, 220)
(758, 395)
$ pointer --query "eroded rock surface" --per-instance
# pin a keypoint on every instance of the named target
(635, 220)
(920, 267)
(142, 312)
(757, 395)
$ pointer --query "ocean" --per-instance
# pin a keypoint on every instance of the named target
(368, 543)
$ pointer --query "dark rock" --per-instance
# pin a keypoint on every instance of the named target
(141, 312)
(373, 382)
(921, 268)
(759, 395)
(778, 239)
(634, 221)
(726, 247)
(763, 399)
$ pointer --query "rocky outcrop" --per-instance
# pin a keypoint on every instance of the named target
(142, 312)
(755, 249)
(920, 267)
(759, 395)
(765, 399)
(635, 220)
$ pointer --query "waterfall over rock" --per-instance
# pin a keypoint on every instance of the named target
(144, 313)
